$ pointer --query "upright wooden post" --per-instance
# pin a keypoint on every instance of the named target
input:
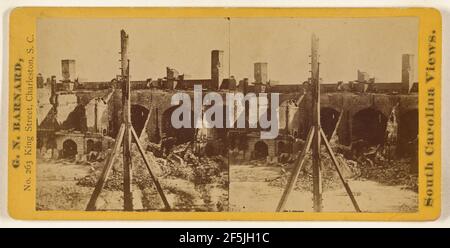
(147, 164)
(336, 166)
(126, 118)
(104, 176)
(298, 167)
(314, 136)
(125, 136)
(317, 175)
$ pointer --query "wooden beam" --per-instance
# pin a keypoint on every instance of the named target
(335, 163)
(105, 173)
(147, 164)
(299, 165)
(126, 119)
(315, 79)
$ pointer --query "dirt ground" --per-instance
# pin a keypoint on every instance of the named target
(251, 192)
(59, 188)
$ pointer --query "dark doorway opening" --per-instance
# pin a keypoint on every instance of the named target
(369, 125)
(328, 120)
(261, 150)
(139, 115)
(89, 146)
(69, 149)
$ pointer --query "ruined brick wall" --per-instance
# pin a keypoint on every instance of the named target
(349, 104)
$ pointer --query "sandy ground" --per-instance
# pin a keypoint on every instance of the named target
(249, 192)
(57, 189)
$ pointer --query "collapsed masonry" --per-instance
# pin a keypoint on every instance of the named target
(78, 119)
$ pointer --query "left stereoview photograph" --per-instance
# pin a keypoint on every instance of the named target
(105, 140)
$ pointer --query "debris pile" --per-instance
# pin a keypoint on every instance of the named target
(330, 177)
(376, 164)
(392, 173)
(371, 165)
(114, 182)
(190, 181)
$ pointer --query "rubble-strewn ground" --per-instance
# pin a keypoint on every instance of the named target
(193, 183)
(189, 182)
(381, 187)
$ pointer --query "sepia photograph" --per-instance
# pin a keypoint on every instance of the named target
(227, 114)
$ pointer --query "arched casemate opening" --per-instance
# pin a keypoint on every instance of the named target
(369, 125)
(261, 150)
(69, 149)
(139, 116)
(328, 120)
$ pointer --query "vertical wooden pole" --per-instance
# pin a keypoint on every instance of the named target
(296, 172)
(104, 176)
(126, 118)
(315, 135)
(317, 175)
(147, 164)
(96, 115)
(336, 166)
(287, 118)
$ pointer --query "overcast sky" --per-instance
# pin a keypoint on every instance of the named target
(373, 45)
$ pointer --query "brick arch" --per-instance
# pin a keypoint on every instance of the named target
(69, 148)
(152, 99)
(261, 150)
(331, 106)
(358, 103)
(385, 103)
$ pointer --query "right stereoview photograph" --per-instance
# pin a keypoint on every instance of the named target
(346, 99)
